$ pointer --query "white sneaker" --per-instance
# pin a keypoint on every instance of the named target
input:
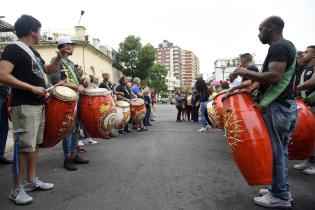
(37, 185)
(203, 129)
(270, 201)
(302, 166)
(80, 143)
(310, 170)
(266, 191)
(208, 127)
(20, 197)
(89, 141)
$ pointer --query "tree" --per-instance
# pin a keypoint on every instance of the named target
(137, 58)
(156, 78)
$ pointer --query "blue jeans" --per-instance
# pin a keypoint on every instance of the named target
(4, 125)
(146, 119)
(202, 109)
(281, 121)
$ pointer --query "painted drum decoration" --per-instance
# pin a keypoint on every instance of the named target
(302, 139)
(59, 114)
(97, 112)
(123, 114)
(218, 110)
(137, 109)
(248, 138)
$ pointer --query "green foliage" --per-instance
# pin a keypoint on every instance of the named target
(156, 79)
(137, 59)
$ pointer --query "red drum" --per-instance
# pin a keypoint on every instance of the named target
(218, 110)
(123, 114)
(248, 138)
(97, 112)
(59, 114)
(302, 142)
(137, 109)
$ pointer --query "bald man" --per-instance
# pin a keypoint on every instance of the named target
(278, 107)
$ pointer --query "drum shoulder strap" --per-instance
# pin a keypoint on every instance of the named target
(275, 90)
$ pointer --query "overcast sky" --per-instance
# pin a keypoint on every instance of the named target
(211, 29)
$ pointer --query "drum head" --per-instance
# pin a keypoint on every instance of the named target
(137, 102)
(96, 92)
(123, 104)
(64, 93)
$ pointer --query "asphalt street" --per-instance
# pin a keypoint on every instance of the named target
(171, 166)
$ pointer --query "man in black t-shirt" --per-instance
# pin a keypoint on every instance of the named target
(22, 68)
(246, 60)
(278, 106)
(306, 88)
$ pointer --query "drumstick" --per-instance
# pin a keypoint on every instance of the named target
(57, 84)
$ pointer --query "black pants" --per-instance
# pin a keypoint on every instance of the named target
(179, 112)
(189, 112)
(194, 113)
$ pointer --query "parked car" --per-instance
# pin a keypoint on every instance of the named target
(164, 100)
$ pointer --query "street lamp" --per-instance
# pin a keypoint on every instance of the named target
(82, 13)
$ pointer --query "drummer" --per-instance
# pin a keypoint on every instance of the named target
(307, 90)
(278, 107)
(23, 69)
(246, 61)
(136, 89)
(122, 88)
(65, 74)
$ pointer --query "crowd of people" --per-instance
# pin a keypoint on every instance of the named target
(28, 78)
(286, 74)
(25, 72)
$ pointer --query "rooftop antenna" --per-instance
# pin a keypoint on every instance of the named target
(82, 13)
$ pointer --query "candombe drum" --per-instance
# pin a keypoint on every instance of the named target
(97, 112)
(218, 110)
(123, 114)
(303, 137)
(248, 138)
(137, 110)
(210, 112)
(59, 114)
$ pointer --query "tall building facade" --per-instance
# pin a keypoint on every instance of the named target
(182, 65)
(171, 57)
(191, 68)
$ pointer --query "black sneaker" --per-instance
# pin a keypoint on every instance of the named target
(121, 132)
(144, 129)
(79, 160)
(149, 124)
(4, 161)
(128, 131)
(69, 164)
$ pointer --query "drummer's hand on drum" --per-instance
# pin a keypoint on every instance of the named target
(241, 71)
(40, 91)
(81, 89)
